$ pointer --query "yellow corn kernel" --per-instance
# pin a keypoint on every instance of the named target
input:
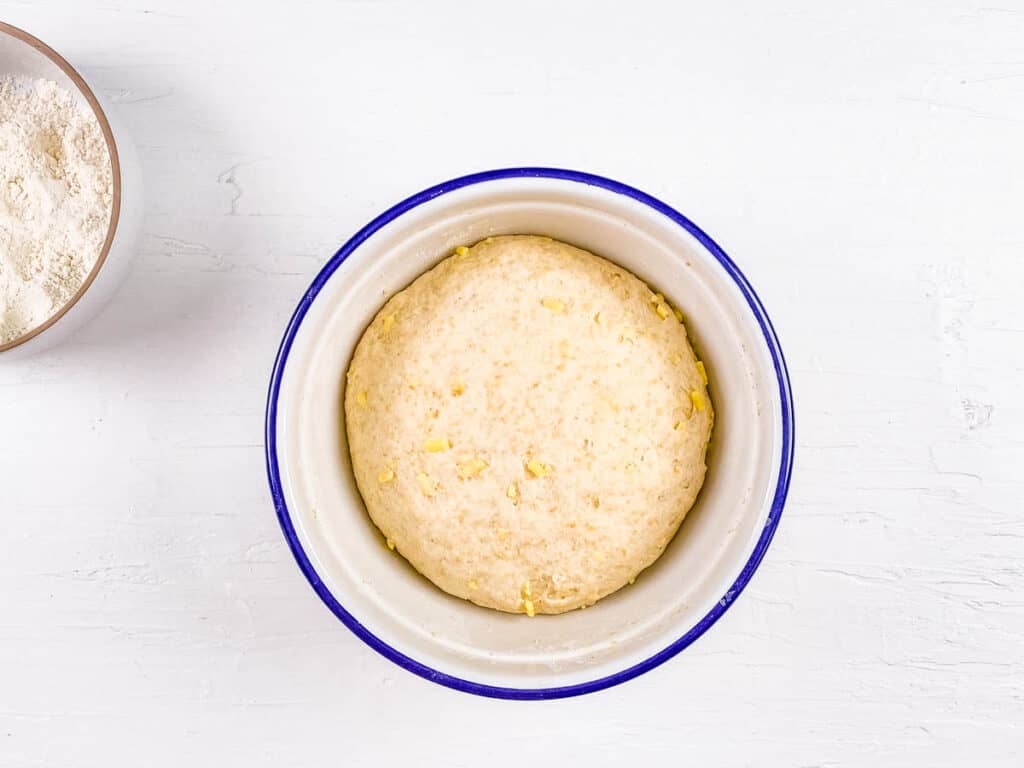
(362, 398)
(528, 605)
(657, 298)
(663, 310)
(458, 388)
(703, 372)
(472, 467)
(385, 476)
(538, 468)
(427, 486)
(389, 321)
(555, 305)
(473, 584)
(461, 250)
(436, 444)
(697, 399)
(526, 589)
(678, 313)
(390, 542)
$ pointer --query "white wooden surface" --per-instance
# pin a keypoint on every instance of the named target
(863, 162)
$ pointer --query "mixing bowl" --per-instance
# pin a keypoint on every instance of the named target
(451, 641)
(23, 55)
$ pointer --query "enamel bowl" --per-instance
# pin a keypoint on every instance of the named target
(23, 55)
(453, 642)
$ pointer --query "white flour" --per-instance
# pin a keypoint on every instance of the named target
(55, 200)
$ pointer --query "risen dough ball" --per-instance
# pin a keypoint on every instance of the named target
(528, 424)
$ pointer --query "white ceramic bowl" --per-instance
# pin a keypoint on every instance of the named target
(23, 55)
(451, 641)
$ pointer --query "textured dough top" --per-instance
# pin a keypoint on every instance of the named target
(527, 424)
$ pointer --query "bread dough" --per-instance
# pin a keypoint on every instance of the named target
(527, 424)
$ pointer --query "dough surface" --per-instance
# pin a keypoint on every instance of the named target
(527, 424)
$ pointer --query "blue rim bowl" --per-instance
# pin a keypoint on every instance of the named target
(781, 482)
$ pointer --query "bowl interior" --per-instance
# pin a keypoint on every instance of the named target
(24, 56)
(20, 58)
(402, 609)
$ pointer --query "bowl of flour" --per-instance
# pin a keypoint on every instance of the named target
(65, 220)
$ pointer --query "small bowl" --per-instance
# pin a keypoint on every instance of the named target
(451, 641)
(23, 55)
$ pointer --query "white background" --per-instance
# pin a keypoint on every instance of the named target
(861, 161)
